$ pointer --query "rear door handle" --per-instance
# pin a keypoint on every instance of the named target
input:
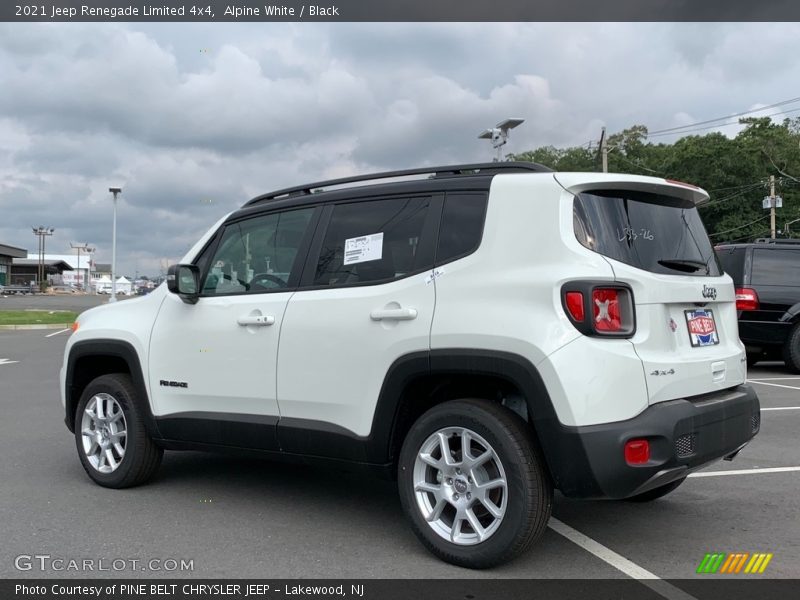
(397, 314)
(262, 320)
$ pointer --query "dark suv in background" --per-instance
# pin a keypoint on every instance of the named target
(766, 274)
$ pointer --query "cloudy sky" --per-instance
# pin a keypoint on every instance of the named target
(191, 120)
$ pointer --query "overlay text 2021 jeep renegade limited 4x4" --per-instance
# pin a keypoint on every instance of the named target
(483, 333)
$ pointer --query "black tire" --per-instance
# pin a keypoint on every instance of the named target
(656, 493)
(142, 457)
(791, 350)
(529, 489)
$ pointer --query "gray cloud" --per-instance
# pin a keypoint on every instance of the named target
(194, 119)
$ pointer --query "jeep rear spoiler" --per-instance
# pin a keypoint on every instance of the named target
(580, 182)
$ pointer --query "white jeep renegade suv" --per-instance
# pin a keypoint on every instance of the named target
(483, 333)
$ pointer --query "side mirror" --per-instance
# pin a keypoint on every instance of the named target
(184, 280)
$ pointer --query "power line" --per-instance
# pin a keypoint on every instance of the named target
(657, 134)
(638, 165)
(738, 194)
(740, 226)
(739, 114)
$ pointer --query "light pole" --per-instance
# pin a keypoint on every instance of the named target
(87, 249)
(116, 192)
(499, 135)
(41, 232)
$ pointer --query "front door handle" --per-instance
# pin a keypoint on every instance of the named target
(397, 314)
(263, 320)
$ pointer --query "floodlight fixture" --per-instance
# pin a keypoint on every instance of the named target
(499, 135)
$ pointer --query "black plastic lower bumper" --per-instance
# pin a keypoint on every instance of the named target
(684, 435)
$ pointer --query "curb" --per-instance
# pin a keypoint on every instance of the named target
(36, 326)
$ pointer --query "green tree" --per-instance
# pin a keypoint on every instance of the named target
(735, 171)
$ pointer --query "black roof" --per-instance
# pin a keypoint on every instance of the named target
(13, 251)
(476, 175)
(762, 242)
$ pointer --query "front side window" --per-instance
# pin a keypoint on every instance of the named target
(654, 232)
(376, 240)
(257, 255)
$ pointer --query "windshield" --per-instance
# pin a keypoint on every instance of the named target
(655, 232)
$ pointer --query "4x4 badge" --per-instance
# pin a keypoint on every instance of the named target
(709, 292)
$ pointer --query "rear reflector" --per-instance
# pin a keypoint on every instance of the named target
(746, 299)
(574, 301)
(637, 452)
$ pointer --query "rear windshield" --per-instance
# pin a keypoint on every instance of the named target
(654, 232)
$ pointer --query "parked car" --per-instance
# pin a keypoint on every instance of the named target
(482, 333)
(766, 274)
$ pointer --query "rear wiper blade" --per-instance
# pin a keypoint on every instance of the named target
(686, 265)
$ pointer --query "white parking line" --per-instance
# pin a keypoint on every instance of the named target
(619, 562)
(771, 378)
(744, 472)
(788, 387)
(782, 408)
(57, 332)
(7, 361)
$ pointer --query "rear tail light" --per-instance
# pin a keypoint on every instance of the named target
(637, 452)
(746, 299)
(600, 309)
(606, 310)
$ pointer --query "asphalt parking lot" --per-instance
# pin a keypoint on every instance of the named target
(73, 302)
(249, 518)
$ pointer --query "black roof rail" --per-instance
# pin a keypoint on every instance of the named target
(777, 241)
(446, 171)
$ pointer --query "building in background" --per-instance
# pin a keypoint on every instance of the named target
(25, 271)
(78, 275)
(7, 254)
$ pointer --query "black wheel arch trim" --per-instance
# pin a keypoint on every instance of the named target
(105, 348)
(790, 313)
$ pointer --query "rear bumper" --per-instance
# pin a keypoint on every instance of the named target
(684, 436)
(763, 333)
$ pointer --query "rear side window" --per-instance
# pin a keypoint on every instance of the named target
(370, 241)
(776, 267)
(462, 226)
(654, 232)
(732, 261)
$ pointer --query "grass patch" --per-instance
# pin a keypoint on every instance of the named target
(36, 317)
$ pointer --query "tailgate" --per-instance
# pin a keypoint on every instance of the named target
(652, 235)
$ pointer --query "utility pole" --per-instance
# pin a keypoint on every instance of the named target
(604, 150)
(772, 205)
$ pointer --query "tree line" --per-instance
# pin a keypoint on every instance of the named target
(735, 171)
